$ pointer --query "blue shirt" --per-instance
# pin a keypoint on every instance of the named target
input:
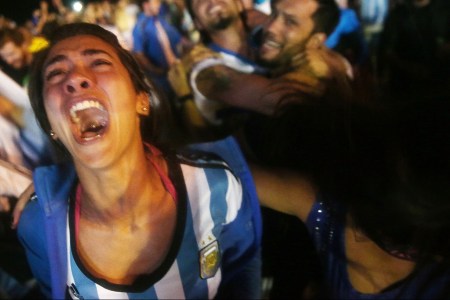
(145, 38)
(326, 223)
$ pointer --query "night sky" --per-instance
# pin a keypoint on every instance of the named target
(20, 10)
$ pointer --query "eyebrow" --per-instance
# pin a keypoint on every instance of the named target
(289, 15)
(86, 52)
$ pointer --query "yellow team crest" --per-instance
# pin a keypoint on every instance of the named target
(209, 260)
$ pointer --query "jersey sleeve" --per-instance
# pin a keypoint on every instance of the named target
(32, 236)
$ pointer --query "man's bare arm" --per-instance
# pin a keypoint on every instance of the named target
(253, 92)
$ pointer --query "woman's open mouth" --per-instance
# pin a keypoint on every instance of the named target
(90, 119)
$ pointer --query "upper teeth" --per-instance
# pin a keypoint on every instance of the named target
(272, 43)
(84, 105)
(215, 8)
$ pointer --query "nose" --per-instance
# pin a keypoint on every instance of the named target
(78, 81)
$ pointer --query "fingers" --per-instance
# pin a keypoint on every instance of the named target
(318, 62)
(196, 55)
(299, 59)
(178, 79)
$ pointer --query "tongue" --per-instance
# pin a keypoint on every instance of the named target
(92, 122)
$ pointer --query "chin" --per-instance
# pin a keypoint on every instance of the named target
(268, 62)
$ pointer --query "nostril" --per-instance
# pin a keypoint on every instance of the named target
(70, 89)
(84, 84)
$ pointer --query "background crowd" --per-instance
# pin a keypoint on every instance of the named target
(388, 51)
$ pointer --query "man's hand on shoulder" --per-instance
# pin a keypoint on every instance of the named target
(197, 54)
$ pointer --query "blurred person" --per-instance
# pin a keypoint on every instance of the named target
(233, 93)
(24, 145)
(10, 288)
(156, 42)
(171, 226)
(224, 32)
(415, 49)
(103, 14)
(60, 11)
(225, 85)
(348, 37)
(39, 19)
(14, 52)
(373, 14)
(179, 17)
(377, 203)
(125, 19)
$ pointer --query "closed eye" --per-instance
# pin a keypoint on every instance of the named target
(100, 62)
(51, 75)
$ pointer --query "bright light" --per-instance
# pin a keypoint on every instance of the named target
(77, 6)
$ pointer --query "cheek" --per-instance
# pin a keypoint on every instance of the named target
(51, 104)
(53, 121)
(120, 92)
(295, 38)
(50, 111)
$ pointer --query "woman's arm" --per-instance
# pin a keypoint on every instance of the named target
(285, 191)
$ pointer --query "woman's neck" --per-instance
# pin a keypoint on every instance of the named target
(370, 269)
(121, 191)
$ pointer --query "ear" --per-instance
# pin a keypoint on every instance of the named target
(143, 104)
(316, 40)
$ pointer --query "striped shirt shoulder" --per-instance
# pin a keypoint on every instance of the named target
(202, 159)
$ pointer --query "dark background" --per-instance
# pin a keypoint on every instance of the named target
(20, 10)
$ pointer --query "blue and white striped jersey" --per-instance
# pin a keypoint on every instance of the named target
(214, 237)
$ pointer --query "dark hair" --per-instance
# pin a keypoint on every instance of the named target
(397, 188)
(11, 35)
(151, 127)
(388, 165)
(326, 17)
(140, 3)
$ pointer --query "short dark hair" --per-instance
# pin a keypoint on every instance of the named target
(140, 3)
(326, 17)
(149, 126)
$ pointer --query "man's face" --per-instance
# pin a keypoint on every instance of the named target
(288, 30)
(215, 14)
(13, 55)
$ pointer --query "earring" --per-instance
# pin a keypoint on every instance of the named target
(53, 134)
(144, 108)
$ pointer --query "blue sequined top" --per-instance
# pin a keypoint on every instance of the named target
(326, 223)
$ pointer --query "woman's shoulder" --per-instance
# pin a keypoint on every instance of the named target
(206, 172)
(202, 159)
